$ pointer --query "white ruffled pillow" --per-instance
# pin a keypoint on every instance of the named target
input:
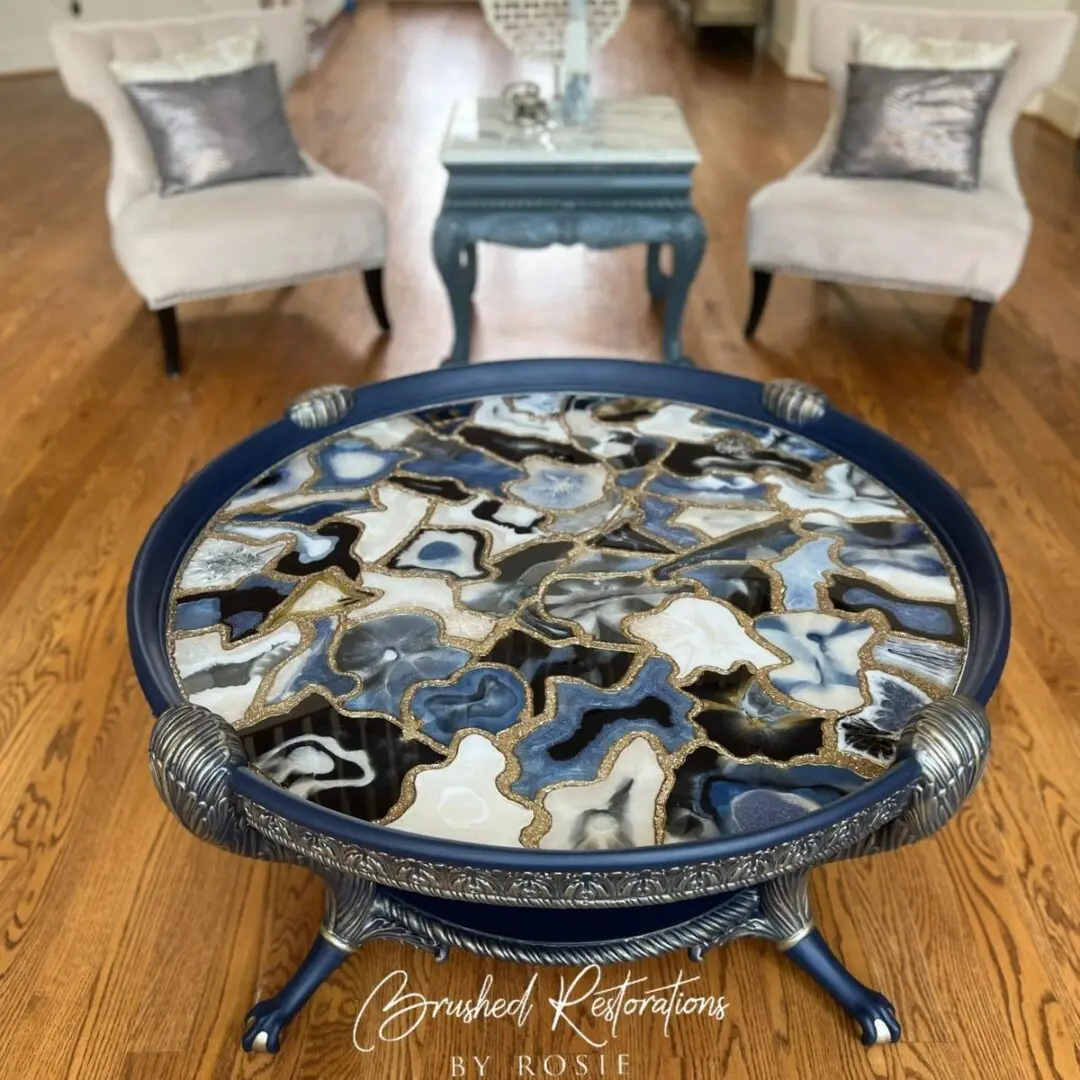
(882, 48)
(221, 57)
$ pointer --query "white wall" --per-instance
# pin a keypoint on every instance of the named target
(791, 32)
(1062, 104)
(24, 29)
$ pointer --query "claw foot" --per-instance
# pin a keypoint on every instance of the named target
(873, 1012)
(263, 1026)
(877, 1019)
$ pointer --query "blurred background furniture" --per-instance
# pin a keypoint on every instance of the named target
(624, 178)
(697, 14)
(558, 32)
(239, 237)
(25, 24)
(896, 233)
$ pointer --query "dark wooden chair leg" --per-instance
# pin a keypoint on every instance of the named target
(980, 316)
(373, 284)
(170, 340)
(762, 285)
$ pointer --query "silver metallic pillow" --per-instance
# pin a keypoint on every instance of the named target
(915, 124)
(218, 129)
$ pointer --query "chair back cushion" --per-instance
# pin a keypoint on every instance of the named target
(84, 52)
(1042, 44)
(217, 130)
(920, 124)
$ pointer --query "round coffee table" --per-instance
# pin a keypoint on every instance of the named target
(633, 649)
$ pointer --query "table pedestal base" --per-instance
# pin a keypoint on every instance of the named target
(358, 911)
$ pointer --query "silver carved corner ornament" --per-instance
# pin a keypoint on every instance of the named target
(950, 740)
(193, 752)
(793, 401)
(321, 406)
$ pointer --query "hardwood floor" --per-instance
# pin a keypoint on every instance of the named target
(132, 950)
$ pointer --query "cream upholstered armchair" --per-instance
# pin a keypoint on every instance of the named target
(239, 237)
(900, 234)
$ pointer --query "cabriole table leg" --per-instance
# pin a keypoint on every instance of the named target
(455, 257)
(354, 913)
(785, 913)
(687, 249)
(655, 278)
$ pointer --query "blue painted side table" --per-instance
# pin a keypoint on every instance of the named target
(623, 178)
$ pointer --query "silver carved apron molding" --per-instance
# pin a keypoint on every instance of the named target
(558, 889)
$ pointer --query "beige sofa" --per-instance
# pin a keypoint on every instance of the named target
(899, 234)
(239, 237)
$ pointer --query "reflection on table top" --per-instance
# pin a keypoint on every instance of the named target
(626, 131)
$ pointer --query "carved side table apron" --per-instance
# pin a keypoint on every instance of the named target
(622, 178)
(492, 638)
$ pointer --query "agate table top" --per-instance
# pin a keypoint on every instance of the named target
(567, 621)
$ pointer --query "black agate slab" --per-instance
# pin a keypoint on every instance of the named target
(572, 623)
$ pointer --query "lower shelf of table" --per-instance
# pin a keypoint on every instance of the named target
(565, 926)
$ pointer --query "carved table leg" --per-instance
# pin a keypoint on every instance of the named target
(470, 269)
(355, 912)
(266, 1020)
(688, 247)
(950, 739)
(456, 259)
(873, 1012)
(655, 278)
(785, 915)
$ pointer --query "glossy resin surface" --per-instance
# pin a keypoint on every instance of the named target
(567, 622)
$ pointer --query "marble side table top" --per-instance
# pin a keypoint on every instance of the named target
(624, 131)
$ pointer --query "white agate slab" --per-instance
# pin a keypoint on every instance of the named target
(383, 530)
(825, 662)
(616, 812)
(698, 633)
(310, 547)
(539, 404)
(459, 801)
(503, 536)
(500, 415)
(678, 422)
(318, 596)
(218, 563)
(716, 522)
(429, 594)
(388, 432)
(296, 472)
(307, 498)
(802, 570)
(198, 655)
(554, 486)
(847, 491)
